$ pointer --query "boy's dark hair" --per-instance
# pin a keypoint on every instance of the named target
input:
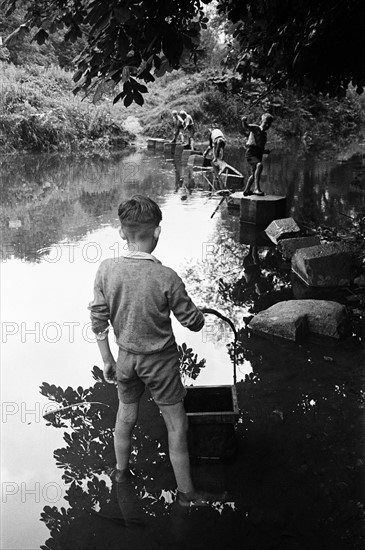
(267, 117)
(139, 215)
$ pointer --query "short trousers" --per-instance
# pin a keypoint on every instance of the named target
(158, 371)
(253, 156)
(219, 144)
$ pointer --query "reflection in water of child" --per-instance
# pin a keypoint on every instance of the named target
(251, 283)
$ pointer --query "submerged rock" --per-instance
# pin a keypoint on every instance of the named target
(294, 319)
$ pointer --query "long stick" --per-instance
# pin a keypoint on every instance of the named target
(220, 202)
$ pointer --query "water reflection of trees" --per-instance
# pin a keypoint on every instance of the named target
(88, 458)
(47, 199)
(231, 280)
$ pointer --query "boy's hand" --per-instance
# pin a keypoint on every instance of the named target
(110, 372)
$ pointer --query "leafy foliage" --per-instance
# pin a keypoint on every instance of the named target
(190, 367)
(125, 41)
(303, 42)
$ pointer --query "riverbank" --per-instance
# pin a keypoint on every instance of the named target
(39, 113)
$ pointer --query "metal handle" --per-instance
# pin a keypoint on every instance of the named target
(229, 322)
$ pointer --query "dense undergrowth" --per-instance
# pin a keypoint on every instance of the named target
(314, 121)
(38, 112)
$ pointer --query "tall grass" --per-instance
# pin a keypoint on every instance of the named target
(38, 112)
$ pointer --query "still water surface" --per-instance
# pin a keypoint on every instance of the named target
(52, 244)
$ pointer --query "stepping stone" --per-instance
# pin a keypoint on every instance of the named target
(282, 229)
(160, 143)
(261, 210)
(155, 143)
(324, 265)
(288, 247)
(293, 319)
(169, 148)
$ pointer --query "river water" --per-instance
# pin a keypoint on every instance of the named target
(59, 220)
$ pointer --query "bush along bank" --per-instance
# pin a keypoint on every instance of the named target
(39, 113)
(314, 122)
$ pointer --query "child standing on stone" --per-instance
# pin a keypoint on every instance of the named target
(255, 149)
(189, 127)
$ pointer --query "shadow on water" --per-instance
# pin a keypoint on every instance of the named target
(297, 480)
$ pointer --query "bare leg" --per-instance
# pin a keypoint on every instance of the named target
(125, 422)
(177, 424)
(247, 189)
(176, 135)
(128, 500)
(257, 177)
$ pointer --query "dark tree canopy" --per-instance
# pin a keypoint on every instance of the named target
(315, 43)
(126, 39)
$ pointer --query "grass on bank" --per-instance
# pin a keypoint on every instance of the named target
(38, 112)
(315, 122)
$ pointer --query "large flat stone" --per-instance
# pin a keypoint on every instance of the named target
(293, 319)
(282, 229)
(262, 210)
(289, 246)
(160, 144)
(324, 265)
(155, 143)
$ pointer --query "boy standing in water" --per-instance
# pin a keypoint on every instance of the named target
(255, 150)
(136, 294)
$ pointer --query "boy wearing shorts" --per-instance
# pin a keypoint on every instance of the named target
(255, 149)
(189, 127)
(135, 293)
(217, 142)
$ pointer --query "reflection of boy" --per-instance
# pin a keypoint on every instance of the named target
(217, 142)
(189, 127)
(255, 149)
(136, 294)
(178, 126)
